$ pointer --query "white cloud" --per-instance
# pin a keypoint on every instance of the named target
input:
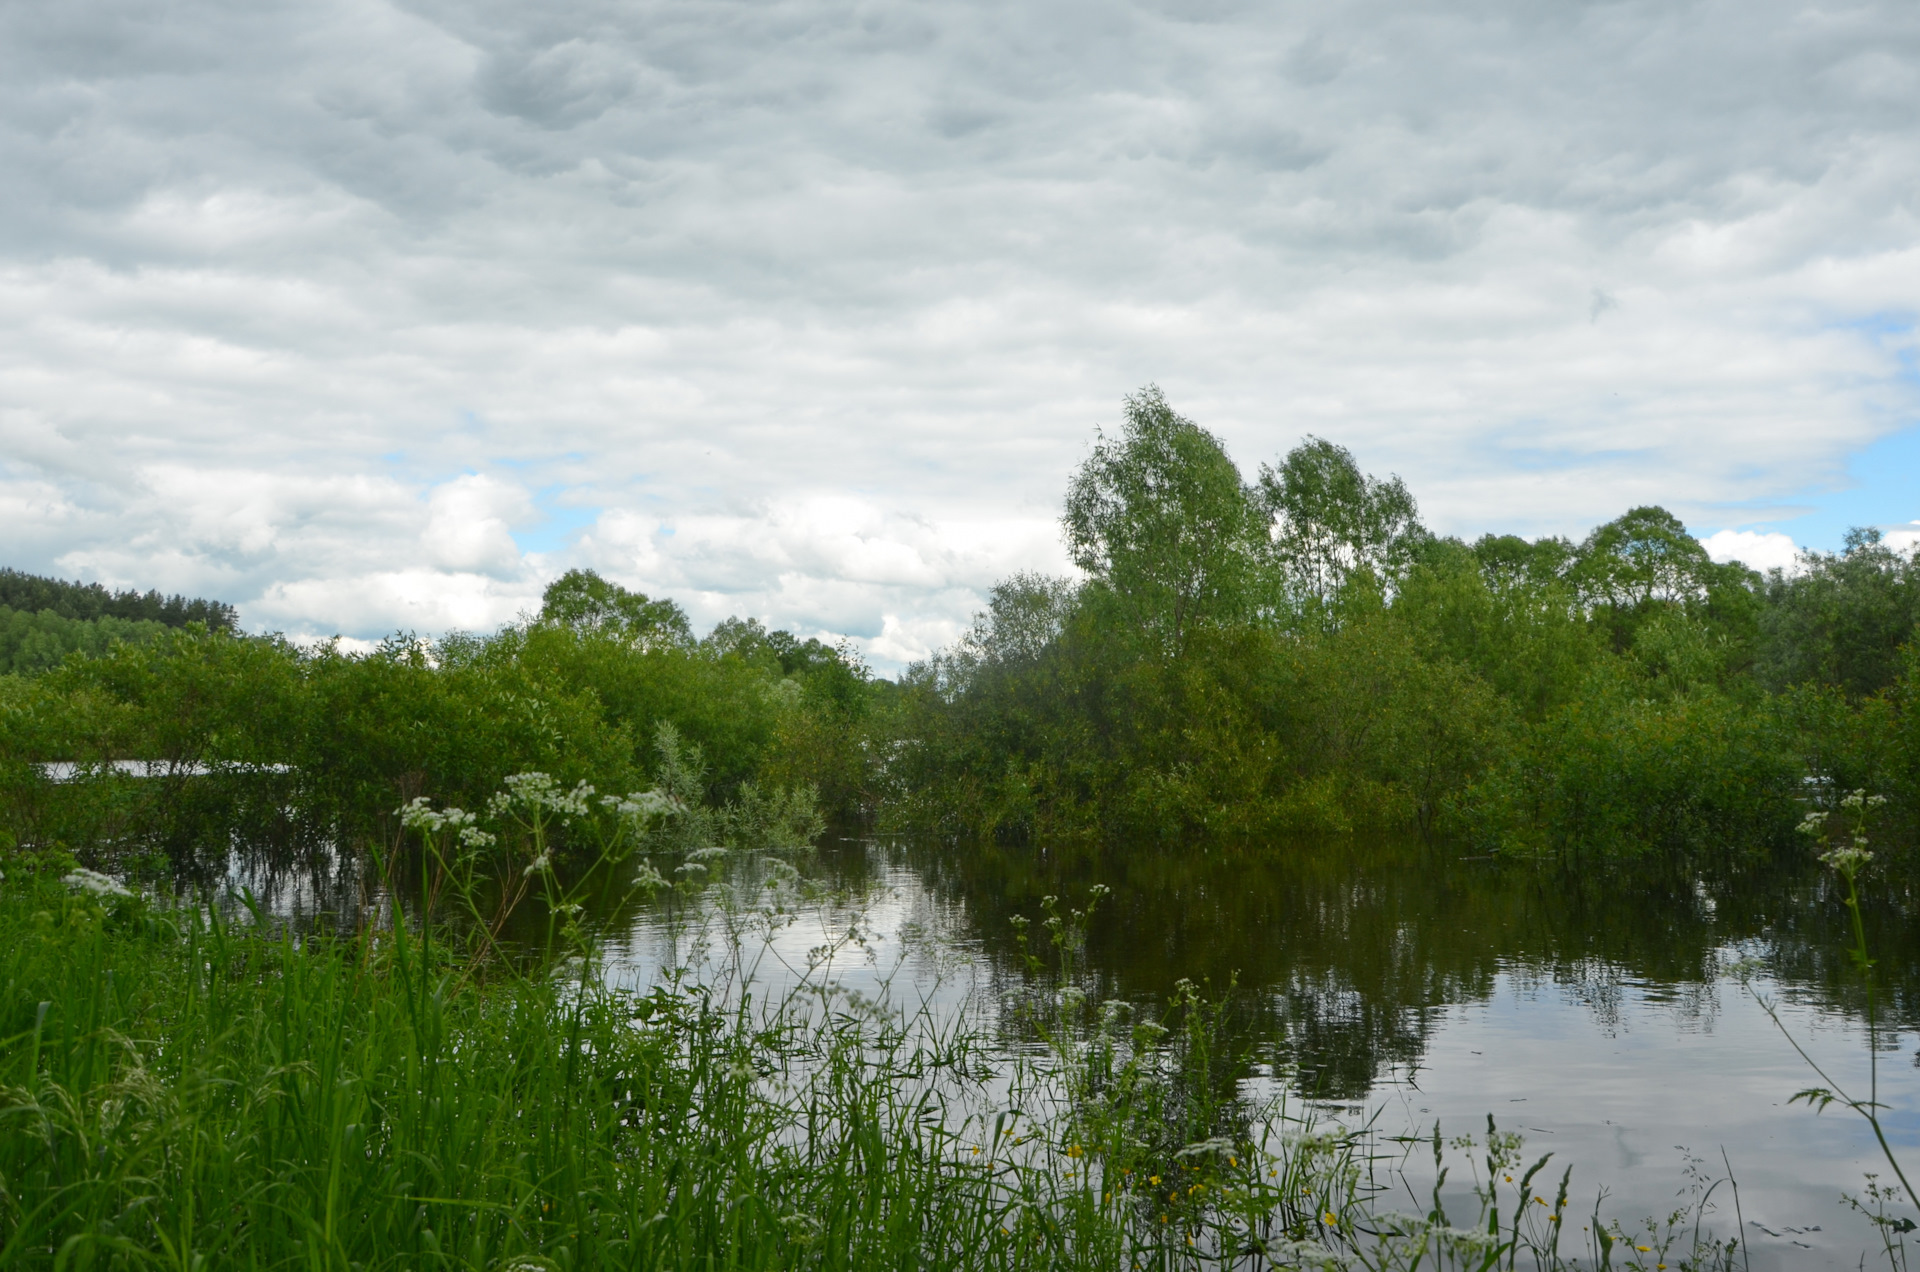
(418, 600)
(830, 566)
(305, 304)
(469, 525)
(1755, 549)
(1903, 538)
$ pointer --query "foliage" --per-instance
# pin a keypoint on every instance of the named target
(1304, 656)
(1841, 619)
(257, 740)
(31, 643)
(1330, 521)
(1159, 519)
(584, 602)
(88, 602)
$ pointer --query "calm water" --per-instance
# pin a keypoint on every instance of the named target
(1599, 1013)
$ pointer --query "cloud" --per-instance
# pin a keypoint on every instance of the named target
(1903, 538)
(304, 305)
(831, 566)
(1756, 550)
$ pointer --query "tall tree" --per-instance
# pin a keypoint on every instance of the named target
(584, 601)
(1330, 520)
(1642, 556)
(1159, 518)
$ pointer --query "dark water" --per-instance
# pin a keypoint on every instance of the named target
(1600, 1012)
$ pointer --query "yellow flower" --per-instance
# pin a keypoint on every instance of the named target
(1153, 1179)
(1329, 1217)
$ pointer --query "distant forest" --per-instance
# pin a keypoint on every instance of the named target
(43, 620)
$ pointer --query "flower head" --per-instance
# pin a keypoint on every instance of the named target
(84, 880)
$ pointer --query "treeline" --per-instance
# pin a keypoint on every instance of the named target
(1299, 654)
(1291, 655)
(42, 620)
(88, 602)
(265, 740)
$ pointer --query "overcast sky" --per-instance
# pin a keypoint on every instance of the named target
(368, 316)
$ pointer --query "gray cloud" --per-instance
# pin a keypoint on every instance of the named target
(317, 306)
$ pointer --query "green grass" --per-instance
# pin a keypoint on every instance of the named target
(183, 1090)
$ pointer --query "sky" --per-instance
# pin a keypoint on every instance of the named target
(371, 316)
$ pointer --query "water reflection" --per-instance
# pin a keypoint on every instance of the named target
(1345, 953)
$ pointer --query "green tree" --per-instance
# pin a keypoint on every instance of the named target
(1641, 557)
(1645, 562)
(1512, 564)
(31, 643)
(86, 602)
(1842, 619)
(1329, 521)
(585, 602)
(1160, 520)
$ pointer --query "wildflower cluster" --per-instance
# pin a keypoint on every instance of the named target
(84, 880)
(418, 815)
(537, 792)
(642, 807)
(1849, 853)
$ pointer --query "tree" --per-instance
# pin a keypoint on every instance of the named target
(1160, 519)
(1842, 618)
(1641, 557)
(589, 604)
(86, 602)
(1329, 520)
(1512, 564)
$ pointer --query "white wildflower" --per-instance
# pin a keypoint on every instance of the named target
(84, 880)
(418, 814)
(1307, 1254)
(1848, 858)
(539, 790)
